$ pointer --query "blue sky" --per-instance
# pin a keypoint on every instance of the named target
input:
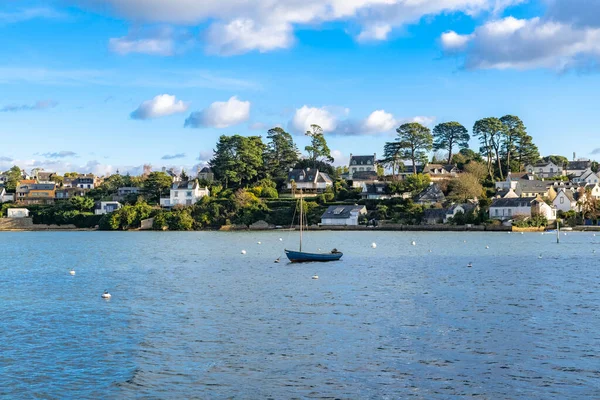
(100, 85)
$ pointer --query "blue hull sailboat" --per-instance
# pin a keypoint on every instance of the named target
(301, 256)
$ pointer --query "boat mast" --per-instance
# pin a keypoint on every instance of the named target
(301, 219)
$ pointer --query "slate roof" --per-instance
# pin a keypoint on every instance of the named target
(578, 165)
(206, 170)
(468, 207)
(431, 194)
(45, 176)
(362, 160)
(434, 213)
(42, 186)
(533, 186)
(307, 175)
(183, 185)
(512, 202)
(569, 194)
(340, 212)
(373, 188)
(364, 176)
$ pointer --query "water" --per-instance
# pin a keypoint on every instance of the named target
(191, 317)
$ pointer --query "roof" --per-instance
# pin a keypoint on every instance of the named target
(362, 160)
(341, 212)
(567, 193)
(45, 176)
(532, 186)
(468, 207)
(43, 186)
(372, 188)
(307, 175)
(364, 176)
(512, 202)
(582, 164)
(431, 194)
(184, 185)
(323, 177)
(206, 170)
(434, 213)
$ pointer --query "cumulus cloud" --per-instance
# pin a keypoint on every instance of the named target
(239, 26)
(220, 114)
(161, 41)
(39, 105)
(173, 156)
(28, 14)
(60, 154)
(160, 106)
(512, 43)
(306, 116)
(380, 121)
(257, 126)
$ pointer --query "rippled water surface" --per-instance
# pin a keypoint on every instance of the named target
(191, 317)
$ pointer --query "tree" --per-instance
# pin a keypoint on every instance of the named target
(514, 129)
(81, 203)
(392, 157)
(490, 131)
(558, 160)
(13, 178)
(184, 176)
(465, 187)
(415, 140)
(281, 155)
(526, 151)
(156, 184)
(238, 159)
(448, 135)
(477, 169)
(318, 149)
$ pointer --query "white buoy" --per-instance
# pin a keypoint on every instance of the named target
(414, 243)
(594, 235)
(521, 233)
(280, 239)
(487, 247)
(243, 251)
(540, 256)
(72, 271)
(374, 245)
(430, 251)
(542, 233)
(258, 243)
(464, 241)
(315, 276)
(106, 295)
(469, 265)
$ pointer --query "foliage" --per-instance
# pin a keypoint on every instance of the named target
(156, 184)
(535, 221)
(447, 135)
(489, 131)
(238, 160)
(514, 129)
(281, 154)
(415, 140)
(13, 178)
(477, 169)
(318, 149)
(179, 221)
(557, 160)
(81, 203)
(414, 184)
(465, 187)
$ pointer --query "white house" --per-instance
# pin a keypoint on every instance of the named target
(6, 197)
(545, 169)
(105, 207)
(539, 207)
(565, 201)
(184, 193)
(308, 179)
(505, 209)
(342, 215)
(577, 168)
(588, 176)
(595, 190)
(17, 213)
(362, 164)
(532, 188)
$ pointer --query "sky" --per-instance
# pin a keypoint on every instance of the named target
(106, 85)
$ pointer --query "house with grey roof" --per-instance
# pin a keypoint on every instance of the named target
(588, 176)
(439, 172)
(362, 164)
(565, 200)
(531, 188)
(508, 208)
(343, 215)
(431, 194)
(376, 191)
(576, 168)
(206, 174)
(6, 197)
(545, 169)
(184, 193)
(434, 216)
(308, 179)
(106, 207)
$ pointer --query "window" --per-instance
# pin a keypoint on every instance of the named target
(368, 168)
(175, 194)
(189, 194)
(509, 212)
(562, 200)
(496, 212)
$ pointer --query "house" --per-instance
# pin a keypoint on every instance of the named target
(105, 207)
(464, 208)
(511, 181)
(87, 181)
(434, 216)
(125, 191)
(6, 197)
(532, 188)
(175, 177)
(67, 193)
(406, 168)
(206, 174)
(362, 163)
(44, 176)
(438, 172)
(539, 207)
(594, 190)
(506, 209)
(30, 192)
(545, 169)
(431, 194)
(184, 193)
(3, 178)
(360, 178)
(17, 213)
(577, 168)
(588, 176)
(565, 200)
(343, 215)
(308, 179)
(376, 191)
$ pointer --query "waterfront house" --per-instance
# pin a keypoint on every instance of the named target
(67, 193)
(17, 213)
(431, 194)
(308, 179)
(6, 197)
(539, 207)
(533, 188)
(184, 193)
(434, 216)
(206, 174)
(507, 209)
(105, 207)
(545, 169)
(362, 164)
(376, 191)
(30, 192)
(455, 209)
(588, 177)
(565, 200)
(343, 215)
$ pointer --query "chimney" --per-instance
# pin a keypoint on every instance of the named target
(574, 156)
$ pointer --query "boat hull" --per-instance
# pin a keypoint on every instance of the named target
(299, 256)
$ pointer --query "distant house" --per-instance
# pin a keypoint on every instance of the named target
(588, 176)
(67, 193)
(594, 190)
(431, 194)
(6, 197)
(531, 188)
(184, 193)
(376, 191)
(407, 168)
(545, 169)
(539, 207)
(342, 215)
(206, 174)
(434, 216)
(362, 164)
(455, 209)
(308, 179)
(125, 191)
(360, 178)
(17, 213)
(506, 209)
(87, 181)
(439, 172)
(3, 178)
(565, 200)
(105, 207)
(577, 168)
(30, 192)
(44, 176)
(512, 180)
(175, 176)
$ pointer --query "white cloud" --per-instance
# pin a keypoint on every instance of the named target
(39, 105)
(220, 114)
(28, 14)
(380, 121)
(238, 26)
(340, 159)
(125, 45)
(452, 41)
(160, 106)
(512, 43)
(244, 35)
(423, 120)
(306, 116)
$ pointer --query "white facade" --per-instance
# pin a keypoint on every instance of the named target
(541, 208)
(545, 170)
(588, 176)
(511, 208)
(185, 194)
(17, 213)
(595, 190)
(351, 217)
(564, 201)
(105, 207)
(6, 197)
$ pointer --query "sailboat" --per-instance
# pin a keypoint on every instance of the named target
(302, 256)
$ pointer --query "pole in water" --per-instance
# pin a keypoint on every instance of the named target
(557, 231)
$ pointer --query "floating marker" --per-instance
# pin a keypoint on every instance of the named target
(540, 256)
(315, 276)
(106, 295)
(374, 245)
(258, 243)
(469, 265)
(414, 243)
(243, 251)
(280, 239)
(487, 247)
(72, 272)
